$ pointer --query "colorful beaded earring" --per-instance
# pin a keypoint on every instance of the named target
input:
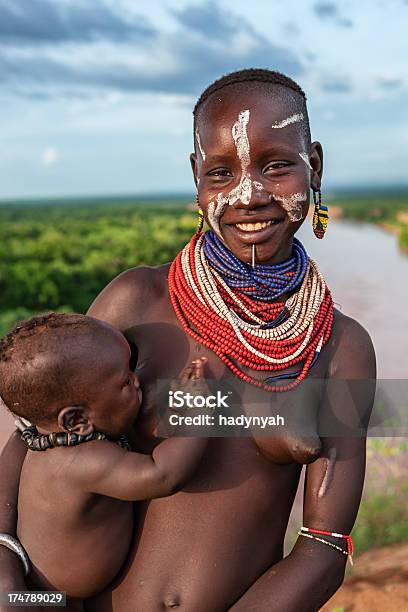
(320, 215)
(200, 217)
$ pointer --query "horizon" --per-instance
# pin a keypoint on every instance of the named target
(98, 97)
(349, 190)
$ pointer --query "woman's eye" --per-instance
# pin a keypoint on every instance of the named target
(220, 172)
(278, 165)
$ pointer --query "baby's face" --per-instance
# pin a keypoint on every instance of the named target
(115, 395)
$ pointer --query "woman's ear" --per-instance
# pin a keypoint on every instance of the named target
(316, 161)
(74, 419)
(194, 167)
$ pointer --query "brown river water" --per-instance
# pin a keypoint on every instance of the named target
(368, 277)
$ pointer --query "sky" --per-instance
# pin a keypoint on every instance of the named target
(96, 97)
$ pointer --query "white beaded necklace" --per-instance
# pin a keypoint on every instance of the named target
(302, 305)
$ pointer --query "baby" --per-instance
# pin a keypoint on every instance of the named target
(69, 375)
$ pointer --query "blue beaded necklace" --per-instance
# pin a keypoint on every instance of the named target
(264, 282)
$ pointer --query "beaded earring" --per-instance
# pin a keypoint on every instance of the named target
(320, 215)
(200, 217)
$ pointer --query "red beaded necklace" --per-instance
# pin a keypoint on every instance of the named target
(223, 319)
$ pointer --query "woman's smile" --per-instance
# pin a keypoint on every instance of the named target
(254, 232)
(253, 185)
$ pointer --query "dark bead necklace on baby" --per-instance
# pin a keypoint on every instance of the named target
(41, 442)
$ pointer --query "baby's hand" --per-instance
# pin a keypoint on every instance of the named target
(191, 379)
(194, 371)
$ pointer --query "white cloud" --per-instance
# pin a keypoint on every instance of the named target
(50, 156)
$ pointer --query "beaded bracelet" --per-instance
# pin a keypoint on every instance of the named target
(308, 532)
(15, 546)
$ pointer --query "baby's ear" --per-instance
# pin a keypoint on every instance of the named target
(74, 419)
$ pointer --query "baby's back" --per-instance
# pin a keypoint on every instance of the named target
(76, 540)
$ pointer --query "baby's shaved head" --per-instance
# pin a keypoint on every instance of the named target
(44, 363)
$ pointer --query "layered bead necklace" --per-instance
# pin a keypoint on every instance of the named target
(264, 282)
(227, 306)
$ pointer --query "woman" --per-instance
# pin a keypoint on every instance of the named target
(245, 296)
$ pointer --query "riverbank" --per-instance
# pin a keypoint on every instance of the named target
(390, 212)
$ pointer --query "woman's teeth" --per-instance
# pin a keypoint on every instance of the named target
(253, 227)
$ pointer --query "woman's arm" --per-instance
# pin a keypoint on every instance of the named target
(124, 301)
(313, 571)
(11, 461)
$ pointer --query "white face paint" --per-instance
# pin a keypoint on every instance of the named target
(292, 204)
(202, 152)
(215, 212)
(243, 191)
(306, 159)
(292, 119)
(212, 220)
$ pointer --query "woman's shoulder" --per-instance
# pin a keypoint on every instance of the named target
(126, 296)
(352, 353)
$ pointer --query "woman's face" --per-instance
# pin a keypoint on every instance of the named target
(253, 171)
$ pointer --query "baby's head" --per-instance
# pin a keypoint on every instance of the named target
(69, 372)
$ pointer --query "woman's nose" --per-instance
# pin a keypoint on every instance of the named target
(258, 197)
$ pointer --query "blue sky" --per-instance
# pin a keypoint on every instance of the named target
(96, 96)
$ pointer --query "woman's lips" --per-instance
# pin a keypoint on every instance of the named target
(254, 232)
(251, 227)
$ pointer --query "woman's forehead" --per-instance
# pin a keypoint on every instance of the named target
(263, 98)
(269, 117)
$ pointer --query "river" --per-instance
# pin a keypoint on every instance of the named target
(368, 276)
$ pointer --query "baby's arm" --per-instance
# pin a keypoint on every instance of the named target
(114, 472)
(106, 469)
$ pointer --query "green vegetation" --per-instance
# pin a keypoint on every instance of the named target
(403, 238)
(374, 207)
(60, 256)
(387, 208)
(382, 517)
